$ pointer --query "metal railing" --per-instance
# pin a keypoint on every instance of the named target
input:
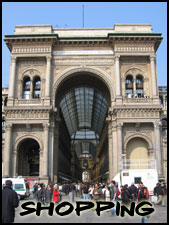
(138, 164)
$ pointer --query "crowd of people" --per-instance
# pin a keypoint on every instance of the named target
(94, 192)
(98, 191)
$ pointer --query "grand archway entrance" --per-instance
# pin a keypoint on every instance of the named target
(82, 101)
(28, 158)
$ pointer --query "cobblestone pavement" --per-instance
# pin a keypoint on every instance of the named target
(88, 216)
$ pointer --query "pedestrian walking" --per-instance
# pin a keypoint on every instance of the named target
(48, 194)
(43, 194)
(35, 188)
(113, 195)
(9, 203)
(142, 196)
(56, 195)
(142, 192)
(85, 192)
(71, 192)
(91, 188)
(106, 193)
(97, 194)
(133, 191)
(159, 192)
(125, 196)
(38, 193)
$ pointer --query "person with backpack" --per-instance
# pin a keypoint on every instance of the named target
(85, 192)
(125, 197)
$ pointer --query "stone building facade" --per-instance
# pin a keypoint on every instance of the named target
(82, 100)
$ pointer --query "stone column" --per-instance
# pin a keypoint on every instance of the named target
(115, 150)
(12, 81)
(118, 77)
(134, 86)
(14, 170)
(119, 146)
(157, 146)
(153, 74)
(7, 150)
(48, 77)
(31, 89)
(164, 103)
(110, 151)
(46, 149)
(56, 151)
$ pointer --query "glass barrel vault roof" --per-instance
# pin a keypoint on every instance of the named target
(84, 110)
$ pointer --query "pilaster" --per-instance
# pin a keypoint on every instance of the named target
(48, 80)
(119, 145)
(154, 79)
(118, 80)
(7, 150)
(12, 81)
(46, 149)
(157, 146)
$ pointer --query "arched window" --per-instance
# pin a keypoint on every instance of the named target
(26, 88)
(36, 87)
(129, 86)
(139, 86)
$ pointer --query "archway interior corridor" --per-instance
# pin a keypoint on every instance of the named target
(83, 110)
(28, 158)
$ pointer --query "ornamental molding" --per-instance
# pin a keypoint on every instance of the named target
(134, 112)
(67, 61)
(32, 62)
(31, 50)
(26, 114)
(21, 138)
(134, 48)
(140, 135)
(31, 72)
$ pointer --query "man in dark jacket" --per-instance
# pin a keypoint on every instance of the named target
(9, 203)
(133, 190)
(158, 190)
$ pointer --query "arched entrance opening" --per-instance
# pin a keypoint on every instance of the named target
(137, 154)
(82, 101)
(28, 158)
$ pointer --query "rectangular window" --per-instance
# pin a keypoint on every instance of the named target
(137, 180)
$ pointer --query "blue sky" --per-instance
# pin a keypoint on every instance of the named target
(96, 14)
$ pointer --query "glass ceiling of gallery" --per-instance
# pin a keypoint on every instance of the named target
(84, 110)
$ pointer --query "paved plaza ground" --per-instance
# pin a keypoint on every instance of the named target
(88, 216)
